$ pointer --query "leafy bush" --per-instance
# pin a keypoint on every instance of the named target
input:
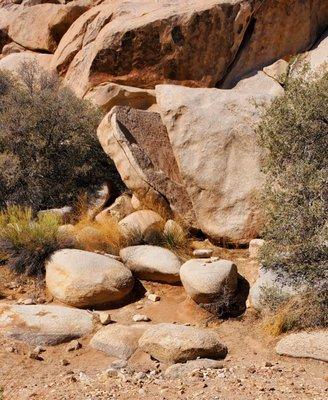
(294, 133)
(25, 244)
(49, 151)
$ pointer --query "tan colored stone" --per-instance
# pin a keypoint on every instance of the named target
(118, 210)
(80, 278)
(174, 343)
(218, 157)
(41, 27)
(141, 223)
(108, 95)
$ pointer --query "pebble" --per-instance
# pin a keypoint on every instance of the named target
(203, 253)
(153, 297)
(65, 362)
(73, 345)
(140, 317)
(104, 318)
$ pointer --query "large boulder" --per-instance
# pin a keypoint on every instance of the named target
(305, 345)
(152, 263)
(108, 95)
(16, 62)
(81, 278)
(119, 341)
(191, 43)
(194, 43)
(41, 26)
(141, 224)
(205, 281)
(278, 29)
(138, 144)
(44, 324)
(214, 142)
(178, 343)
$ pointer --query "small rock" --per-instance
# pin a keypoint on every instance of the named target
(35, 355)
(268, 364)
(64, 362)
(26, 302)
(111, 373)
(11, 349)
(104, 318)
(140, 317)
(140, 375)
(73, 345)
(118, 364)
(153, 297)
(203, 253)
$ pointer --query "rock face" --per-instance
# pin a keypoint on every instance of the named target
(178, 343)
(305, 345)
(205, 281)
(138, 143)
(141, 224)
(44, 324)
(191, 43)
(224, 201)
(108, 95)
(152, 263)
(277, 29)
(119, 341)
(41, 27)
(80, 278)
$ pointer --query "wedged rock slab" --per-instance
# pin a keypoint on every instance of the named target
(180, 370)
(119, 341)
(173, 343)
(44, 324)
(152, 263)
(138, 143)
(213, 138)
(81, 278)
(305, 345)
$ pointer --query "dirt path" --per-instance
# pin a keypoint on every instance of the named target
(251, 370)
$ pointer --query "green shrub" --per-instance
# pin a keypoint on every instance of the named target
(294, 133)
(49, 151)
(25, 243)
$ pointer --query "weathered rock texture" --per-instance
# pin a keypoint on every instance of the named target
(41, 27)
(213, 140)
(139, 145)
(44, 324)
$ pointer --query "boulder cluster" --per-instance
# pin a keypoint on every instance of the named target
(161, 70)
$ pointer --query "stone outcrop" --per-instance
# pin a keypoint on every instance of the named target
(305, 345)
(138, 143)
(173, 343)
(80, 278)
(42, 26)
(152, 263)
(44, 324)
(212, 136)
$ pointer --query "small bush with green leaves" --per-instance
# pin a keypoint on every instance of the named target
(294, 133)
(49, 150)
(26, 243)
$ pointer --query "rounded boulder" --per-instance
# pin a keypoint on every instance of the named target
(204, 280)
(81, 278)
(152, 263)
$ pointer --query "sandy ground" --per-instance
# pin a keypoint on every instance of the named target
(251, 370)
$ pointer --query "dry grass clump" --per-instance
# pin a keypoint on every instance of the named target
(26, 243)
(307, 310)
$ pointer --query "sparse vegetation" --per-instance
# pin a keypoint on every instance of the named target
(26, 243)
(49, 151)
(294, 131)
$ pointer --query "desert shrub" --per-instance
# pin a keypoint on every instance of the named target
(49, 151)
(294, 133)
(26, 243)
